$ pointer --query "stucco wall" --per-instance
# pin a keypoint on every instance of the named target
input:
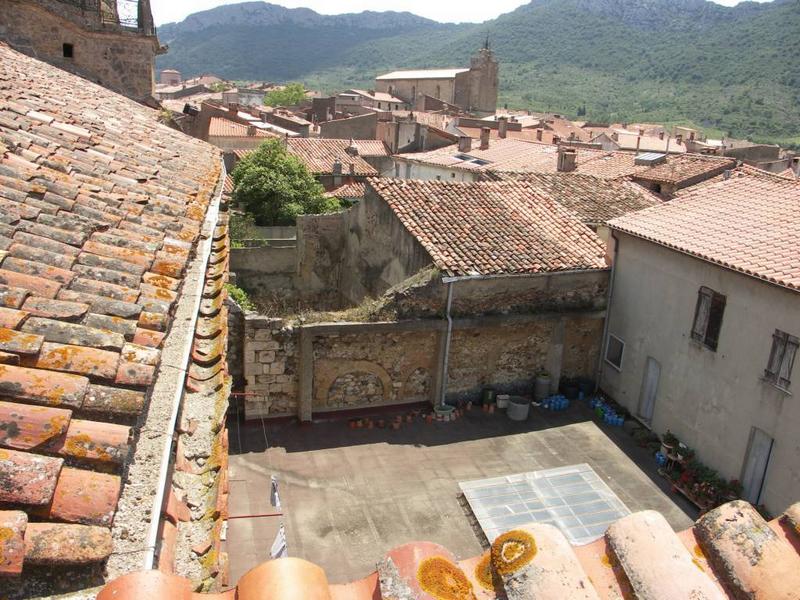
(237, 142)
(410, 89)
(362, 127)
(405, 169)
(708, 399)
(267, 269)
(119, 60)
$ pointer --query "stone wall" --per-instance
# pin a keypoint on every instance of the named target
(270, 367)
(307, 370)
(111, 56)
(265, 270)
(362, 127)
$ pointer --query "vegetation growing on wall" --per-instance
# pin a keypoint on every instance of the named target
(275, 187)
(239, 296)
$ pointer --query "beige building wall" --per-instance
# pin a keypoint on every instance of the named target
(710, 400)
(119, 59)
(405, 169)
(411, 89)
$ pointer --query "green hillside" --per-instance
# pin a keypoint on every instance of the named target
(733, 70)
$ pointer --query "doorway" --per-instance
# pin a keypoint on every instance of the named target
(647, 395)
(756, 463)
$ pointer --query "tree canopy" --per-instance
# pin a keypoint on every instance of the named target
(275, 187)
(293, 93)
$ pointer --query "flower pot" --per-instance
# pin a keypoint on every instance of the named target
(518, 409)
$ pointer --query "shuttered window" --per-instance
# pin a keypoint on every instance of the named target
(708, 317)
(781, 359)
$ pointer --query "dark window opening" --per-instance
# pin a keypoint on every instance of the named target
(615, 348)
(69, 50)
(708, 317)
(781, 359)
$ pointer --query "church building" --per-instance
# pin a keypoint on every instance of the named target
(473, 89)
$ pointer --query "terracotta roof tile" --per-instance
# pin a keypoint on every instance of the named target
(491, 228)
(748, 223)
(319, 154)
(221, 127)
(100, 210)
(12, 543)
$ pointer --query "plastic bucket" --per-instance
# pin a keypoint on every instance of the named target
(541, 387)
(518, 409)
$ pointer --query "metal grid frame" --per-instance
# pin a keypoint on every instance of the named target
(572, 498)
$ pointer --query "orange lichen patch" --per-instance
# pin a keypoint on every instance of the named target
(93, 440)
(166, 264)
(19, 343)
(512, 550)
(85, 497)
(12, 546)
(76, 359)
(42, 387)
(65, 544)
(23, 427)
(137, 257)
(484, 573)
(155, 321)
(698, 565)
(11, 318)
(443, 580)
(161, 281)
(603, 569)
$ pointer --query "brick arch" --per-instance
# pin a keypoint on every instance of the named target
(328, 371)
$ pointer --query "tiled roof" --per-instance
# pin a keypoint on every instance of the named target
(491, 228)
(378, 96)
(100, 208)
(353, 190)
(686, 169)
(319, 154)
(649, 143)
(730, 553)
(422, 74)
(749, 222)
(220, 127)
(593, 199)
(521, 156)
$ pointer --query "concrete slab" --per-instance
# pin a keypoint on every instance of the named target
(350, 495)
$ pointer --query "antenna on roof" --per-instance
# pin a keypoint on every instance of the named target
(486, 43)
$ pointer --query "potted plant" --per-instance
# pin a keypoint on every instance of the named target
(684, 453)
(668, 443)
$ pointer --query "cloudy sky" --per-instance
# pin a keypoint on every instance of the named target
(166, 11)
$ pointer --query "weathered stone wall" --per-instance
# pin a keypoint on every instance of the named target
(113, 57)
(363, 369)
(315, 368)
(362, 127)
(320, 248)
(270, 367)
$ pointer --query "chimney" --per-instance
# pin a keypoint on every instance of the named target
(233, 107)
(556, 140)
(538, 135)
(641, 131)
(502, 127)
(352, 169)
(638, 142)
(464, 143)
(615, 136)
(679, 139)
(661, 135)
(251, 131)
(337, 173)
(485, 133)
(567, 159)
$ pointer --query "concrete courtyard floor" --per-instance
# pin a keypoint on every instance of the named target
(349, 495)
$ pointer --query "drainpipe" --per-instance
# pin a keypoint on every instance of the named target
(446, 357)
(604, 339)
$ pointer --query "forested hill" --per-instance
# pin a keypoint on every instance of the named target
(735, 70)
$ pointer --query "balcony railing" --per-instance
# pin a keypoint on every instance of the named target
(123, 13)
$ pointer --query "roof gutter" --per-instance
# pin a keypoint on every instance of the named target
(186, 318)
(455, 278)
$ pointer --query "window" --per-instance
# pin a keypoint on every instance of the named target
(708, 317)
(68, 50)
(781, 359)
(615, 348)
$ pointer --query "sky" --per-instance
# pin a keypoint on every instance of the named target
(449, 11)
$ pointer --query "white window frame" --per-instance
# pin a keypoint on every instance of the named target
(621, 354)
(781, 360)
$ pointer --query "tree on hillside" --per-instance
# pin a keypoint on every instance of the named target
(293, 93)
(275, 186)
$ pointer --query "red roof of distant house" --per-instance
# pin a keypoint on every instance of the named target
(491, 228)
(749, 222)
(221, 127)
(319, 154)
